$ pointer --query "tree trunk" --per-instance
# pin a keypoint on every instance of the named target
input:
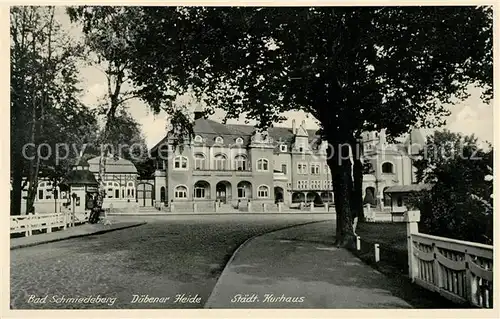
(357, 192)
(340, 165)
(17, 190)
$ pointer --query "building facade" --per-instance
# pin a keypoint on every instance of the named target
(234, 164)
(121, 179)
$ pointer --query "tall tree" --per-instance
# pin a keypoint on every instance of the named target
(45, 107)
(111, 35)
(353, 69)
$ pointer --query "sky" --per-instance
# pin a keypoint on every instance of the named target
(470, 116)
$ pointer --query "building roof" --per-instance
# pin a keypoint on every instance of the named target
(210, 129)
(84, 177)
(113, 165)
(408, 188)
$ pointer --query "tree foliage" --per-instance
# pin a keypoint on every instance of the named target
(352, 68)
(460, 204)
(45, 106)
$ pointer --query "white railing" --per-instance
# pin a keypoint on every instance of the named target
(461, 271)
(28, 223)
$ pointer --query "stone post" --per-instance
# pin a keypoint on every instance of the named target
(195, 207)
(311, 208)
(249, 206)
(377, 252)
(172, 208)
(411, 218)
(264, 207)
(216, 205)
(280, 207)
(326, 207)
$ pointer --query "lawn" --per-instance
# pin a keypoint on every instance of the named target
(389, 235)
(391, 238)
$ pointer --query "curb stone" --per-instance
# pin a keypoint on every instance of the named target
(245, 243)
(76, 236)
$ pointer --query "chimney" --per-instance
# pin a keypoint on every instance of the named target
(294, 129)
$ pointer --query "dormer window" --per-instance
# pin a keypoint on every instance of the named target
(198, 139)
(219, 140)
(283, 148)
(239, 140)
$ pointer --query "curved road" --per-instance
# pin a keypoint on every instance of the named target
(175, 259)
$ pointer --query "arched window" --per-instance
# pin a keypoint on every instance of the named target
(199, 161)
(220, 161)
(113, 190)
(180, 162)
(263, 191)
(219, 140)
(262, 164)
(130, 189)
(181, 192)
(240, 162)
(239, 140)
(162, 194)
(198, 139)
(201, 189)
(387, 168)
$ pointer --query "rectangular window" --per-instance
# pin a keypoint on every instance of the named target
(302, 168)
(40, 194)
(302, 184)
(117, 193)
(283, 168)
(283, 148)
(315, 169)
(56, 194)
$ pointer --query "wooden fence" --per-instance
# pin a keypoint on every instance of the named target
(32, 222)
(460, 271)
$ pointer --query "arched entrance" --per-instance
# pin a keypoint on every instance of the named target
(162, 194)
(327, 197)
(311, 197)
(298, 197)
(223, 191)
(278, 194)
(145, 194)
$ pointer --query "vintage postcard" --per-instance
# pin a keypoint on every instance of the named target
(248, 157)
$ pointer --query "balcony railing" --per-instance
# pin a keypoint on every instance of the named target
(222, 172)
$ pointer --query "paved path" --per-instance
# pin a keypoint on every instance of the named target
(72, 232)
(299, 268)
(167, 257)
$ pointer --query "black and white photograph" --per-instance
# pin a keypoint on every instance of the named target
(219, 156)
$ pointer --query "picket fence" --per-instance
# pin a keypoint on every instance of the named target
(458, 270)
(31, 222)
